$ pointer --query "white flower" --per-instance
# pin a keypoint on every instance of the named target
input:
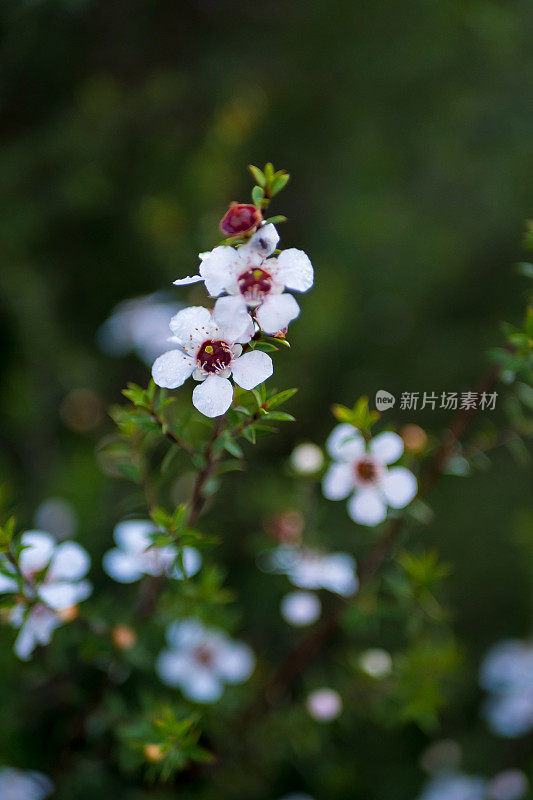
(454, 786)
(376, 662)
(307, 458)
(210, 355)
(139, 325)
(511, 784)
(201, 660)
(134, 556)
(51, 574)
(364, 474)
(312, 569)
(297, 796)
(17, 784)
(251, 280)
(507, 674)
(324, 705)
(300, 608)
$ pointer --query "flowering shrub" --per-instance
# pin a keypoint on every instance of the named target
(184, 683)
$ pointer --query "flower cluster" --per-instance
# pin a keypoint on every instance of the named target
(507, 674)
(48, 581)
(249, 282)
(135, 554)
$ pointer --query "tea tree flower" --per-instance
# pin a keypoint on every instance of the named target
(455, 786)
(307, 458)
(49, 583)
(300, 608)
(312, 569)
(249, 279)
(363, 474)
(324, 705)
(201, 661)
(507, 674)
(376, 662)
(210, 354)
(17, 784)
(511, 784)
(135, 556)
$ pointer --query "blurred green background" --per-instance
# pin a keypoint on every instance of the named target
(406, 127)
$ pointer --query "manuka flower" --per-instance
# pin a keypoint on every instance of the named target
(507, 674)
(135, 555)
(18, 784)
(50, 585)
(240, 219)
(312, 569)
(210, 354)
(363, 473)
(252, 280)
(201, 660)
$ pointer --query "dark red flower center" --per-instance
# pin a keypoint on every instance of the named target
(254, 284)
(366, 470)
(214, 355)
(204, 655)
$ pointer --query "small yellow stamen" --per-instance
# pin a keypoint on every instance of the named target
(258, 273)
(208, 349)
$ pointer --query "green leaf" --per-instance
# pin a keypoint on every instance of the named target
(277, 218)
(280, 398)
(258, 196)
(258, 175)
(278, 183)
(280, 416)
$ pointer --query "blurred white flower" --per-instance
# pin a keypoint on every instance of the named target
(297, 796)
(201, 660)
(139, 325)
(454, 786)
(362, 472)
(307, 458)
(324, 705)
(376, 662)
(134, 556)
(442, 755)
(251, 280)
(507, 674)
(300, 608)
(56, 516)
(210, 355)
(512, 784)
(17, 784)
(312, 569)
(51, 577)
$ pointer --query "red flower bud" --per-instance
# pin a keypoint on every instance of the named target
(240, 219)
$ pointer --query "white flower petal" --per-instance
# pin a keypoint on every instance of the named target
(192, 561)
(338, 481)
(25, 643)
(399, 487)
(70, 562)
(202, 686)
(260, 245)
(251, 369)
(192, 326)
(16, 784)
(172, 369)
(300, 608)
(295, 270)
(366, 507)
(387, 447)
(220, 269)
(338, 574)
(185, 634)
(213, 397)
(7, 584)
(122, 567)
(235, 662)
(62, 594)
(134, 535)
(37, 552)
(231, 315)
(173, 667)
(276, 311)
(188, 280)
(345, 443)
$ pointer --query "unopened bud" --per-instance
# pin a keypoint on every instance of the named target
(153, 752)
(240, 219)
(123, 637)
